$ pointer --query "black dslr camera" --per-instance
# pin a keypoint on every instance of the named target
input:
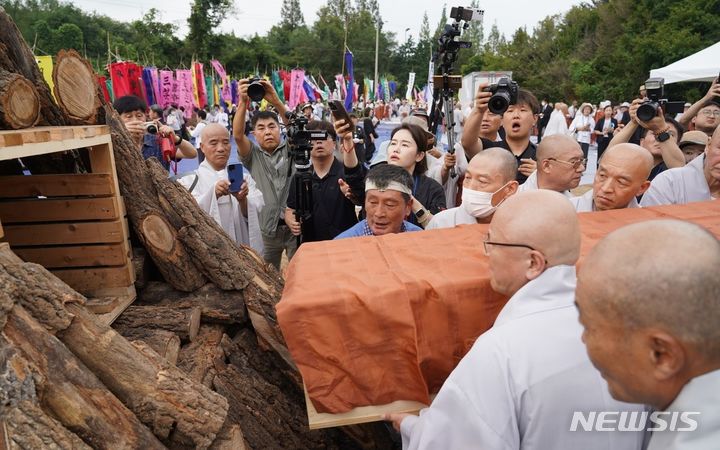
(655, 92)
(504, 94)
(256, 91)
(300, 139)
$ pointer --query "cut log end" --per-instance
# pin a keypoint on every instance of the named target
(75, 86)
(158, 233)
(19, 101)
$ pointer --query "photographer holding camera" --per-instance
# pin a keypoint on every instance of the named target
(705, 113)
(269, 163)
(132, 111)
(660, 136)
(332, 212)
(517, 121)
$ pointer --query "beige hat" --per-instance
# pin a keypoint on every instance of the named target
(694, 137)
(419, 121)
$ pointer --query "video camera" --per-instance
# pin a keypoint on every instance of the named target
(504, 94)
(300, 139)
(448, 45)
(648, 109)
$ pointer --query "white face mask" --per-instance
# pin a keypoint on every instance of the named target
(479, 204)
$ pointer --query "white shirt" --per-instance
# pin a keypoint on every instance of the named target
(226, 210)
(222, 118)
(531, 184)
(458, 118)
(701, 394)
(679, 186)
(450, 186)
(450, 218)
(585, 203)
(197, 133)
(556, 124)
(580, 121)
(518, 386)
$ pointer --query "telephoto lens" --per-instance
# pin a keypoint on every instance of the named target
(647, 111)
(256, 91)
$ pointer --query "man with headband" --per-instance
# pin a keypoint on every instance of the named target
(388, 201)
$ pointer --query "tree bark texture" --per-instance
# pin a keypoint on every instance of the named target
(184, 322)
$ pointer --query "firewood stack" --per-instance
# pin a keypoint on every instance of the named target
(198, 360)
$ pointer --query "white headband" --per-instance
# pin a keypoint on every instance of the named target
(392, 186)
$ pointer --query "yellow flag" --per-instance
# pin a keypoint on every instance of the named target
(46, 67)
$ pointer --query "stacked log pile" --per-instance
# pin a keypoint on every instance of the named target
(198, 361)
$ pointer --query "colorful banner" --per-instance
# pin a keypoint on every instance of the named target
(297, 93)
(167, 86)
(277, 83)
(209, 91)
(45, 63)
(351, 81)
(234, 91)
(199, 89)
(285, 76)
(148, 86)
(185, 91)
(155, 84)
(102, 81)
(340, 85)
(225, 84)
(430, 86)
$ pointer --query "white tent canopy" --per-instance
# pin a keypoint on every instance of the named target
(702, 66)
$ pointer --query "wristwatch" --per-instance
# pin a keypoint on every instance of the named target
(420, 213)
(664, 136)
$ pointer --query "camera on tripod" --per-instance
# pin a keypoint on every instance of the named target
(300, 139)
(648, 109)
(504, 94)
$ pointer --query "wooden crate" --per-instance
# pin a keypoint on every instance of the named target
(72, 224)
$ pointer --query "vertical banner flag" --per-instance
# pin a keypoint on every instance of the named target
(45, 63)
(297, 93)
(386, 90)
(155, 78)
(102, 81)
(200, 90)
(351, 95)
(393, 88)
(234, 91)
(148, 86)
(185, 91)
(166, 88)
(277, 83)
(209, 95)
(225, 93)
(430, 86)
(410, 86)
(340, 85)
(109, 87)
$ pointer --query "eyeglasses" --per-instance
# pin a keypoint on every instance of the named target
(575, 164)
(487, 242)
(710, 113)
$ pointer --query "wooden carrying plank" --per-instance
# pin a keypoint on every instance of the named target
(89, 281)
(75, 256)
(65, 185)
(50, 134)
(59, 210)
(66, 233)
(362, 414)
(23, 150)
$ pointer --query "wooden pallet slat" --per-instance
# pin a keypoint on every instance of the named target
(89, 281)
(58, 210)
(75, 256)
(66, 233)
(64, 185)
(39, 135)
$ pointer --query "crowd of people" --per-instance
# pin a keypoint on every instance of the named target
(648, 312)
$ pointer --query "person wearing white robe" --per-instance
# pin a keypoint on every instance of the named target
(698, 181)
(237, 213)
(489, 180)
(560, 165)
(523, 379)
(658, 343)
(621, 177)
(557, 123)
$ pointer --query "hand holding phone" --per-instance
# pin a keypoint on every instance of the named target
(339, 112)
(235, 175)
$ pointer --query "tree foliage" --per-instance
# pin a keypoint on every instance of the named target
(602, 49)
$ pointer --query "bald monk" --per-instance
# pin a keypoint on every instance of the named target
(489, 181)
(522, 380)
(651, 315)
(698, 181)
(561, 164)
(622, 175)
(236, 213)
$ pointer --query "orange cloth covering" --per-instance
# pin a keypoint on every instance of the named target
(372, 320)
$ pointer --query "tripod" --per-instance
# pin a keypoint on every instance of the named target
(444, 101)
(304, 199)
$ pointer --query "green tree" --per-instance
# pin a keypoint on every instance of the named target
(441, 23)
(291, 14)
(69, 36)
(205, 16)
(425, 35)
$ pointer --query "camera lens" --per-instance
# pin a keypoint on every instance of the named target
(256, 91)
(151, 128)
(647, 111)
(499, 102)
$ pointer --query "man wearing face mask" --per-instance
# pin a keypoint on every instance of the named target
(489, 180)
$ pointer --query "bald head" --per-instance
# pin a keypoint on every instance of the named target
(496, 161)
(556, 156)
(622, 175)
(661, 274)
(213, 129)
(215, 144)
(555, 146)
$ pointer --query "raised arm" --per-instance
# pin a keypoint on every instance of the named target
(693, 111)
(471, 133)
(243, 143)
